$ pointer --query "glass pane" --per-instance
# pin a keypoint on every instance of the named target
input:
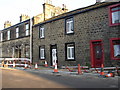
(67, 27)
(42, 53)
(27, 32)
(116, 8)
(27, 26)
(117, 51)
(8, 35)
(116, 17)
(42, 32)
(68, 53)
(27, 51)
(72, 49)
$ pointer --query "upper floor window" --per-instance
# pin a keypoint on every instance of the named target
(17, 32)
(8, 34)
(70, 51)
(27, 29)
(114, 15)
(69, 26)
(115, 48)
(1, 36)
(41, 32)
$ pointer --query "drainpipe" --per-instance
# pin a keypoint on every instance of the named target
(31, 23)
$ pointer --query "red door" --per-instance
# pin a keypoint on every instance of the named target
(97, 56)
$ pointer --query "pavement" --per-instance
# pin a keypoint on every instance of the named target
(63, 78)
(64, 72)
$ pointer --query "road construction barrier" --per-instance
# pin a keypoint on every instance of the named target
(15, 62)
(118, 71)
(75, 68)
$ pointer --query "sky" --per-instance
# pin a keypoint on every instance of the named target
(10, 10)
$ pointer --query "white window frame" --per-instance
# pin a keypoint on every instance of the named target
(42, 53)
(8, 34)
(27, 29)
(1, 36)
(17, 32)
(0, 51)
(69, 26)
(71, 49)
(42, 32)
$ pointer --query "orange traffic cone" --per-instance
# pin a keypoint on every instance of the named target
(56, 70)
(102, 70)
(36, 66)
(109, 75)
(25, 66)
(79, 70)
(46, 65)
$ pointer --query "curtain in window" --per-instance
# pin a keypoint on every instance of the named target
(116, 50)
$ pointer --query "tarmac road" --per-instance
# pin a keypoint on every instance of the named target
(21, 79)
(12, 78)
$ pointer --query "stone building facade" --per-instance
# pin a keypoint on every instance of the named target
(87, 36)
(15, 40)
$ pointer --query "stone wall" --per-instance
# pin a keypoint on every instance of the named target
(89, 25)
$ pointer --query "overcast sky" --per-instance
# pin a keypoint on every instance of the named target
(10, 10)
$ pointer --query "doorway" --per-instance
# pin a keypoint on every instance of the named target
(53, 53)
(97, 55)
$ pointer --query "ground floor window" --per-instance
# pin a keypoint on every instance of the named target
(27, 50)
(42, 52)
(115, 48)
(0, 51)
(70, 51)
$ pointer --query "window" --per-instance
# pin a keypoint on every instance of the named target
(0, 51)
(27, 50)
(69, 26)
(41, 32)
(27, 29)
(70, 51)
(115, 48)
(114, 15)
(8, 35)
(1, 37)
(17, 32)
(13, 52)
(42, 52)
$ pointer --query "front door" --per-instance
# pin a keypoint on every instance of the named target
(97, 57)
(54, 55)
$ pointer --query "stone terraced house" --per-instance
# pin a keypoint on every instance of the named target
(88, 36)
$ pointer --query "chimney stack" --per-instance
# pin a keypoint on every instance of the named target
(7, 24)
(64, 8)
(24, 17)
